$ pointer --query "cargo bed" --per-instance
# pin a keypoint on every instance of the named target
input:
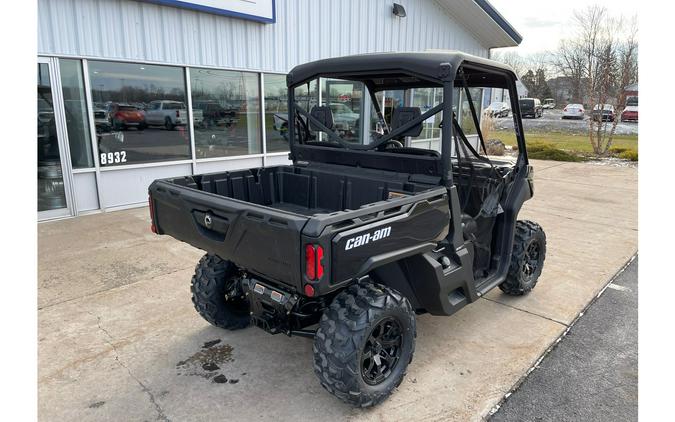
(258, 217)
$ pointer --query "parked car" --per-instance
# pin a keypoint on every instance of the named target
(215, 114)
(123, 116)
(603, 112)
(549, 103)
(101, 120)
(167, 113)
(573, 111)
(498, 109)
(630, 113)
(530, 107)
(343, 116)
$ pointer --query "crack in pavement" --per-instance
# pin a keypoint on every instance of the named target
(98, 292)
(160, 412)
(526, 311)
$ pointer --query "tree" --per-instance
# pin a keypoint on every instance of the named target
(600, 60)
(513, 59)
(528, 80)
(569, 62)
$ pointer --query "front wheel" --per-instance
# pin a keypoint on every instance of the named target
(216, 294)
(527, 259)
(365, 341)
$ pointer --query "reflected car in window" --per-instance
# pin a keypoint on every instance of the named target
(123, 116)
(101, 120)
(170, 114)
(343, 116)
(215, 114)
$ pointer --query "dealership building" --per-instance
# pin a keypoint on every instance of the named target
(132, 91)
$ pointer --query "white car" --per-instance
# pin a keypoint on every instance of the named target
(498, 109)
(573, 111)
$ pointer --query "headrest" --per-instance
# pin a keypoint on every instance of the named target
(403, 115)
(322, 114)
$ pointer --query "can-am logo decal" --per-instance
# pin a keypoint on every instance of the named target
(364, 239)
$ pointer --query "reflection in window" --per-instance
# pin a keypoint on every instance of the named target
(276, 113)
(77, 120)
(344, 99)
(139, 113)
(426, 99)
(226, 112)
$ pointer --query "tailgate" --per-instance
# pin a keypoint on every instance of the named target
(259, 239)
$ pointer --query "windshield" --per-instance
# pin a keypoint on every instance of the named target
(632, 101)
(526, 103)
(406, 120)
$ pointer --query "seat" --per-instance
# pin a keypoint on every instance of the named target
(402, 115)
(324, 115)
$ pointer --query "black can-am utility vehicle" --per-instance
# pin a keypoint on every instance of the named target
(390, 208)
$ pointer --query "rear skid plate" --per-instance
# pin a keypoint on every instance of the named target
(271, 308)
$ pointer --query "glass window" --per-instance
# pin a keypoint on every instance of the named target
(128, 131)
(426, 99)
(226, 112)
(276, 113)
(51, 192)
(344, 99)
(77, 121)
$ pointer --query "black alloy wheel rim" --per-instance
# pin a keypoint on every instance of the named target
(382, 351)
(531, 260)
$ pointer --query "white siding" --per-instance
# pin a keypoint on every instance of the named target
(305, 30)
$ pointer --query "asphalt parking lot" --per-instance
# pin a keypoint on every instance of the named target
(118, 338)
(552, 121)
(592, 374)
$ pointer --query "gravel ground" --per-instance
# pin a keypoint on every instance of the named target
(552, 121)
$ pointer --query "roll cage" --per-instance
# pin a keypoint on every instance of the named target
(400, 71)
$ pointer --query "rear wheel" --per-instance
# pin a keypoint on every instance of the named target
(527, 258)
(217, 295)
(365, 341)
(168, 124)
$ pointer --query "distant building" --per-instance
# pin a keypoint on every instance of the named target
(499, 94)
(631, 90)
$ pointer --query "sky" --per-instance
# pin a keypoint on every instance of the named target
(543, 23)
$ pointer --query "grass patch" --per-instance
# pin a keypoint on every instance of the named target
(567, 141)
(630, 154)
(548, 151)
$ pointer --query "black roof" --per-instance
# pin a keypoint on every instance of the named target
(436, 66)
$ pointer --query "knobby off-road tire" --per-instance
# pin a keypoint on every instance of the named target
(212, 279)
(362, 322)
(527, 258)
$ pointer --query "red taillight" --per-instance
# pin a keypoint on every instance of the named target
(319, 264)
(153, 228)
(309, 290)
(313, 262)
(310, 262)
